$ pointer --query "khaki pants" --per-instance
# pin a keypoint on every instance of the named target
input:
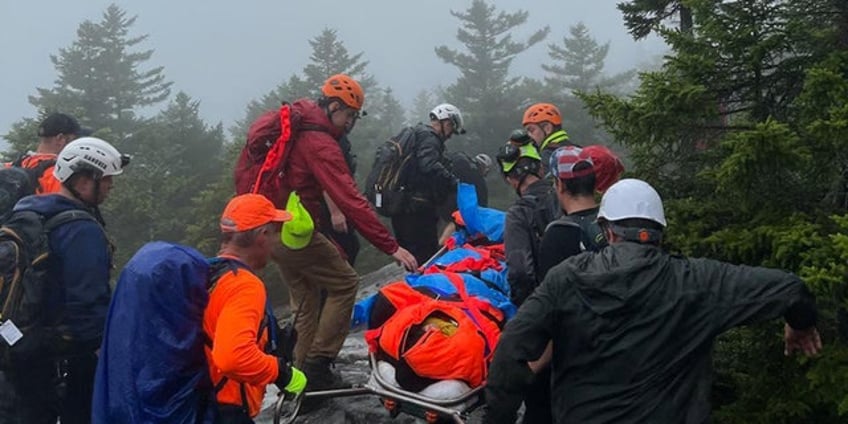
(307, 271)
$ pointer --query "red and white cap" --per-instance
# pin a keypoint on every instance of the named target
(569, 162)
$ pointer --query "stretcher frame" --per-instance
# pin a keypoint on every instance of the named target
(394, 399)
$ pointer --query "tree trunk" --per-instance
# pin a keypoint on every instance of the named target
(686, 19)
(842, 29)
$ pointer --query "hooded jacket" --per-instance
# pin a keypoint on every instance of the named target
(436, 179)
(78, 292)
(632, 329)
(316, 164)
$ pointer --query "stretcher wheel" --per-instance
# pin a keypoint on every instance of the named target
(287, 408)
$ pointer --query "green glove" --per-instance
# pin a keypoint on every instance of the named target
(297, 382)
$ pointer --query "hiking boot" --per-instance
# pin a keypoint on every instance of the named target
(320, 375)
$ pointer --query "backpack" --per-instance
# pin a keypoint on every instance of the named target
(260, 167)
(152, 364)
(24, 250)
(17, 182)
(545, 209)
(387, 185)
(591, 236)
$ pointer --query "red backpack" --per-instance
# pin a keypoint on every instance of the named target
(259, 168)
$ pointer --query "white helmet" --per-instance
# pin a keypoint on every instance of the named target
(485, 161)
(89, 153)
(632, 198)
(449, 111)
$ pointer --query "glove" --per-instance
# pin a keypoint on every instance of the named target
(290, 379)
(297, 382)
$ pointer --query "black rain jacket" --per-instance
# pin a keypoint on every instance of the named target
(633, 329)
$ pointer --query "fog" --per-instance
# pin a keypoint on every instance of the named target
(226, 53)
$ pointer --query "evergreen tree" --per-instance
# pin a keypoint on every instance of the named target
(289, 91)
(203, 231)
(329, 57)
(21, 137)
(484, 91)
(641, 17)
(390, 114)
(578, 64)
(101, 78)
(421, 105)
(743, 131)
(174, 156)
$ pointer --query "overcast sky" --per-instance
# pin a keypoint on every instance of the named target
(225, 53)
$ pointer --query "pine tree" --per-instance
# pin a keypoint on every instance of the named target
(329, 57)
(289, 91)
(641, 17)
(421, 105)
(485, 92)
(175, 156)
(743, 131)
(391, 113)
(578, 64)
(102, 79)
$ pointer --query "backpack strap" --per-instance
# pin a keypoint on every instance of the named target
(19, 161)
(540, 218)
(67, 216)
(36, 172)
(43, 165)
(591, 237)
(590, 233)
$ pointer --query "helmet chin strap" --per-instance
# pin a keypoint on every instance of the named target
(443, 136)
(521, 182)
(328, 113)
(547, 134)
(94, 207)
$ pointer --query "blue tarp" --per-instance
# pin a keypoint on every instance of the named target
(479, 220)
(491, 285)
(474, 286)
(152, 368)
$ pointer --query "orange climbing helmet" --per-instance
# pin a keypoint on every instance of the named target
(542, 112)
(346, 89)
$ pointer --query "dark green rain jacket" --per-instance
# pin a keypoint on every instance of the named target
(633, 328)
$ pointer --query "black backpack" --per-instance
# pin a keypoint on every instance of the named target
(24, 250)
(545, 209)
(17, 182)
(387, 185)
(591, 236)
